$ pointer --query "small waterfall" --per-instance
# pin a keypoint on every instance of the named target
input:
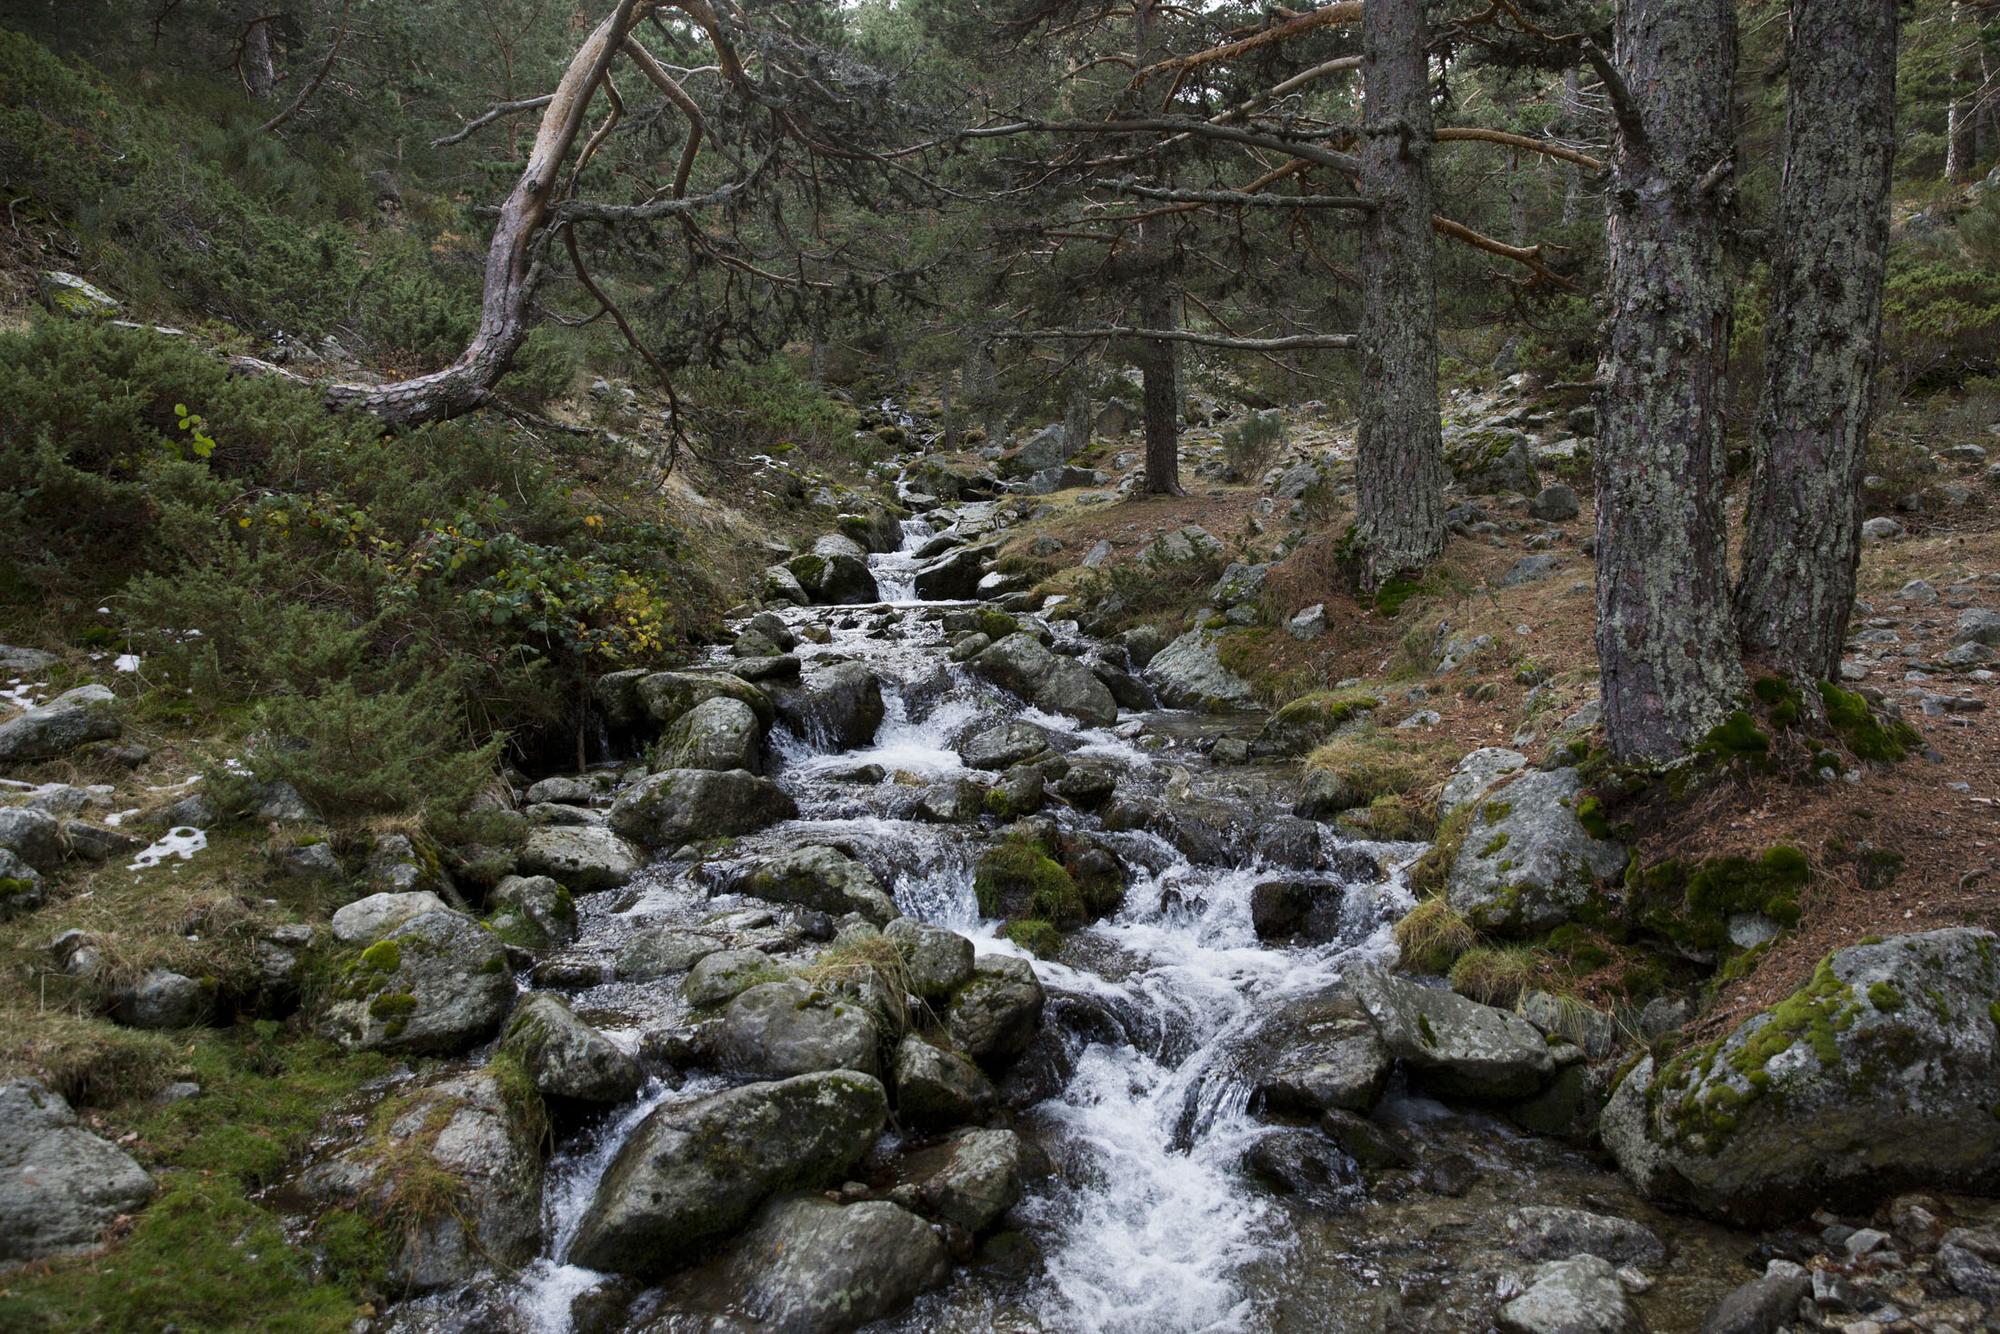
(896, 571)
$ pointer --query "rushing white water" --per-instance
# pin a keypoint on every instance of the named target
(1150, 1219)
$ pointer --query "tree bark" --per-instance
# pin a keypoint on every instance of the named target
(258, 65)
(1822, 338)
(513, 259)
(1961, 149)
(1399, 465)
(1572, 127)
(1159, 308)
(1668, 661)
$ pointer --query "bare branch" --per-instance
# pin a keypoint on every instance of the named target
(1237, 197)
(318, 77)
(491, 114)
(1522, 141)
(1283, 344)
(1348, 11)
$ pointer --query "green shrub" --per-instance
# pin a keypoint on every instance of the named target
(349, 753)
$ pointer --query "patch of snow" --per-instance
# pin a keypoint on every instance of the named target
(183, 842)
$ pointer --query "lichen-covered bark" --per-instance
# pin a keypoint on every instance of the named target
(1399, 465)
(1823, 336)
(1961, 134)
(1667, 650)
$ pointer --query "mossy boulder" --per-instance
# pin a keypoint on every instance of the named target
(677, 806)
(1189, 674)
(834, 577)
(995, 1013)
(812, 1264)
(1879, 1074)
(435, 985)
(567, 1058)
(693, 1173)
(1019, 663)
(1528, 863)
(821, 878)
(1303, 723)
(719, 733)
(662, 697)
(777, 1029)
(1492, 460)
(1452, 1046)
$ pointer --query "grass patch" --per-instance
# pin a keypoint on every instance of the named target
(1497, 976)
(1385, 761)
(1431, 936)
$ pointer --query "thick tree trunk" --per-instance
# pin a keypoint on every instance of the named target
(1822, 337)
(1961, 148)
(259, 66)
(1666, 644)
(1399, 467)
(513, 259)
(1159, 307)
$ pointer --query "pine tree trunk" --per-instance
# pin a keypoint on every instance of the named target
(1961, 148)
(1399, 466)
(1159, 308)
(259, 66)
(1667, 650)
(1822, 337)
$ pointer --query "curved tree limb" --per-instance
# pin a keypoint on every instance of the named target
(318, 78)
(491, 114)
(1529, 143)
(1285, 343)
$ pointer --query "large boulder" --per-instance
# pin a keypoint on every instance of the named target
(693, 1173)
(822, 878)
(719, 733)
(664, 696)
(938, 1087)
(994, 1014)
(36, 837)
(1188, 674)
(954, 576)
(1454, 1046)
(435, 985)
(837, 709)
(779, 1029)
(1527, 862)
(1878, 1074)
(1579, 1296)
(582, 858)
(367, 920)
(461, 1128)
(1314, 1053)
(970, 1180)
(1492, 460)
(811, 1266)
(1003, 745)
(72, 719)
(532, 911)
(567, 1058)
(1021, 664)
(1475, 774)
(836, 578)
(164, 999)
(61, 1187)
(677, 806)
(938, 961)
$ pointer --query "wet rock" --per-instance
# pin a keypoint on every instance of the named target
(778, 1029)
(677, 806)
(582, 858)
(72, 719)
(1476, 774)
(1452, 1175)
(936, 1087)
(532, 911)
(1455, 1046)
(1591, 1030)
(837, 709)
(435, 985)
(163, 1000)
(566, 1057)
(970, 1180)
(1089, 783)
(693, 1173)
(939, 961)
(820, 878)
(1969, 1259)
(1528, 863)
(61, 1187)
(1544, 1232)
(722, 975)
(1316, 1053)
(1188, 674)
(365, 921)
(1020, 664)
(1764, 1305)
(954, 576)
(1567, 1109)
(811, 1266)
(1365, 1141)
(460, 1127)
(1308, 1165)
(995, 1013)
(661, 952)
(1580, 1296)
(950, 801)
(1142, 643)
(1003, 745)
(719, 733)
(1877, 1074)
(1283, 909)
(835, 578)
(1020, 793)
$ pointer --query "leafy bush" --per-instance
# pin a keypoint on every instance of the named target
(349, 753)
(1249, 446)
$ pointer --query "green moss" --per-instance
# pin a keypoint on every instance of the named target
(1590, 814)
(1580, 946)
(1885, 997)
(1781, 699)
(1040, 938)
(1864, 734)
(1495, 844)
(809, 569)
(1493, 812)
(1391, 596)
(393, 1006)
(384, 956)
(1693, 906)
(1735, 737)
(1391, 818)
(996, 625)
(1015, 875)
(1424, 1030)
